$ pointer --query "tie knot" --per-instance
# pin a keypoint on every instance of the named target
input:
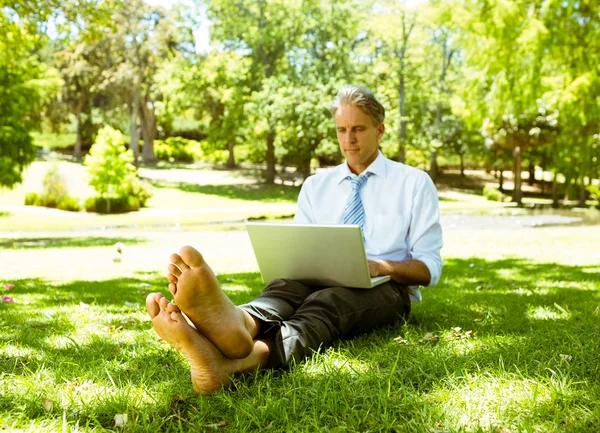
(359, 181)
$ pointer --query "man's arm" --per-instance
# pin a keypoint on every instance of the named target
(411, 272)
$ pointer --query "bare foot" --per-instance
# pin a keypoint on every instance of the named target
(198, 294)
(211, 370)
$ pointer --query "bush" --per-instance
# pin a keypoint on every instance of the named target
(595, 193)
(69, 203)
(55, 189)
(113, 176)
(112, 205)
(174, 149)
(492, 194)
(54, 194)
(33, 199)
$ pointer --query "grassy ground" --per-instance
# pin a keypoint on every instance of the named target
(506, 343)
(76, 348)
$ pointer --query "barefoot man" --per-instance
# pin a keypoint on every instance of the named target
(397, 209)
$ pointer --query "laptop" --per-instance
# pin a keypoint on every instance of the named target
(316, 255)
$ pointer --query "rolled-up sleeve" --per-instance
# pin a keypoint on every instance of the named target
(424, 239)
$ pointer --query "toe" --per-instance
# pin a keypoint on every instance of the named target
(163, 303)
(174, 272)
(172, 308)
(172, 278)
(177, 260)
(173, 289)
(191, 256)
(152, 305)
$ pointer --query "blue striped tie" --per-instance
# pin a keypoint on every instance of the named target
(354, 213)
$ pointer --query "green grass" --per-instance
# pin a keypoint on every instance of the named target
(251, 192)
(74, 352)
(50, 141)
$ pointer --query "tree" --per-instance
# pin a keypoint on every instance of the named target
(265, 30)
(20, 96)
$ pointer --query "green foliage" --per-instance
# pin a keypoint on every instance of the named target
(109, 164)
(54, 188)
(112, 205)
(33, 199)
(175, 149)
(53, 141)
(19, 96)
(595, 193)
(54, 193)
(113, 175)
(492, 194)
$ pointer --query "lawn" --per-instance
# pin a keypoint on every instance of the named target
(506, 343)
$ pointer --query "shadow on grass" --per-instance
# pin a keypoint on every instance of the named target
(67, 242)
(526, 318)
(250, 192)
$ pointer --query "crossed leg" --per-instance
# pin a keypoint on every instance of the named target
(198, 294)
(210, 369)
(222, 343)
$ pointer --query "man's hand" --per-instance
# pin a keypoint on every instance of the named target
(374, 268)
(411, 272)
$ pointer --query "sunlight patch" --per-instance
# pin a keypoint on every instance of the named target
(481, 400)
(231, 287)
(26, 353)
(334, 362)
(555, 312)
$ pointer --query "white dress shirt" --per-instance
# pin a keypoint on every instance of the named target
(402, 217)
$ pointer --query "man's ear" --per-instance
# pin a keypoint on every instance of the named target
(380, 131)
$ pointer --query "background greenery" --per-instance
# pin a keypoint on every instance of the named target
(500, 85)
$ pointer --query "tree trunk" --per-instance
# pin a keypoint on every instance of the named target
(567, 186)
(462, 165)
(134, 134)
(517, 193)
(582, 192)
(555, 203)
(148, 124)
(501, 181)
(401, 54)
(305, 168)
(231, 157)
(79, 139)
(270, 176)
(402, 147)
(433, 167)
(531, 179)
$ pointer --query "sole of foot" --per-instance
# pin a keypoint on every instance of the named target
(210, 369)
(197, 293)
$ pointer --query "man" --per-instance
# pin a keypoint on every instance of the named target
(397, 208)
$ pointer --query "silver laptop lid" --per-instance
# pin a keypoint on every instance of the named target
(323, 255)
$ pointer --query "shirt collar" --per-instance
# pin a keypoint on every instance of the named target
(377, 167)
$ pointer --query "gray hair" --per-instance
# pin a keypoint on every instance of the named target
(359, 97)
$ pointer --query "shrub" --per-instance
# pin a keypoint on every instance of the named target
(113, 175)
(69, 203)
(55, 188)
(33, 199)
(595, 193)
(112, 205)
(492, 194)
(174, 149)
(54, 194)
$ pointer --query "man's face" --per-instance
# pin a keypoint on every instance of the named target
(358, 137)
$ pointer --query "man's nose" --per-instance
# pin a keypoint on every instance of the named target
(350, 137)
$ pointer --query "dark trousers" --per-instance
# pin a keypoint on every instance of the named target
(300, 319)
